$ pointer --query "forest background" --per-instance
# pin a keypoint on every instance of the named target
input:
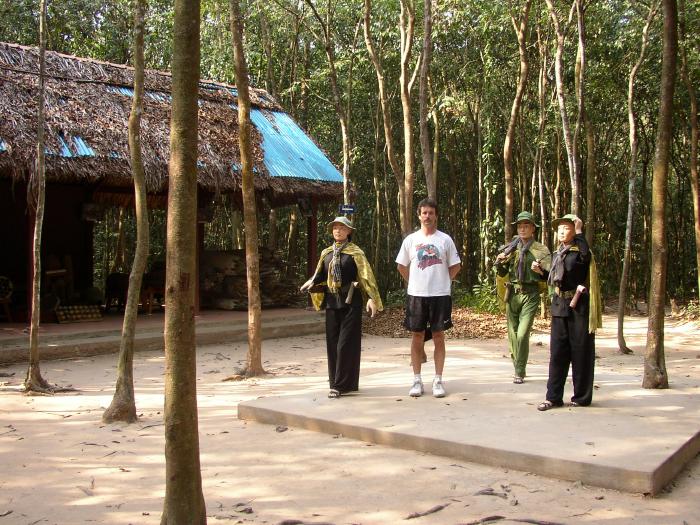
(455, 121)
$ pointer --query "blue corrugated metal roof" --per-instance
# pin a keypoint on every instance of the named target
(288, 151)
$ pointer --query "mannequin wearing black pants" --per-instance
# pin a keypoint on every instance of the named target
(343, 327)
(343, 339)
(570, 342)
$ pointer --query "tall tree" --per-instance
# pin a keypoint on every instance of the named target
(520, 27)
(123, 406)
(655, 374)
(569, 143)
(423, 99)
(184, 500)
(37, 195)
(254, 365)
(631, 184)
(404, 175)
(329, 46)
(694, 138)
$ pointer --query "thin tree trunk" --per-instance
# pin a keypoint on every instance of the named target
(34, 382)
(591, 173)
(236, 229)
(118, 262)
(184, 500)
(292, 241)
(561, 98)
(391, 154)
(520, 27)
(694, 138)
(376, 155)
(123, 406)
(407, 21)
(272, 238)
(254, 365)
(329, 47)
(423, 96)
(631, 191)
(655, 374)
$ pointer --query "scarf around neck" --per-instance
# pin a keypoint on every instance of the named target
(335, 276)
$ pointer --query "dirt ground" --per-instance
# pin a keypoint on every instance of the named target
(62, 465)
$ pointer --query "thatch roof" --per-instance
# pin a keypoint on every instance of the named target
(87, 110)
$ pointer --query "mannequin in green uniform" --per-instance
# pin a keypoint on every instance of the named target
(519, 266)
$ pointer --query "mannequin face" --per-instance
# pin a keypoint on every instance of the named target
(340, 232)
(526, 230)
(566, 232)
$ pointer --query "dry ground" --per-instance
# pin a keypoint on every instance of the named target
(61, 465)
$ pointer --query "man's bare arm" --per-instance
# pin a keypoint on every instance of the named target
(454, 270)
(403, 270)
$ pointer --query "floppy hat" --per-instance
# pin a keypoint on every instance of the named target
(569, 217)
(342, 220)
(526, 216)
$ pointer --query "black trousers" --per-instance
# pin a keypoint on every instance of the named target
(343, 337)
(570, 343)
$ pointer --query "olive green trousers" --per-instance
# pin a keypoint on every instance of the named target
(520, 311)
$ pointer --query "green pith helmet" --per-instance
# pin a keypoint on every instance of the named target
(526, 216)
(341, 220)
(569, 217)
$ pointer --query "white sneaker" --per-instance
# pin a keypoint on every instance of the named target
(416, 389)
(438, 389)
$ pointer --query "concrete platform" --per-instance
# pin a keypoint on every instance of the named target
(630, 439)
(62, 341)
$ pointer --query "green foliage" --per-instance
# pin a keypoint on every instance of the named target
(482, 297)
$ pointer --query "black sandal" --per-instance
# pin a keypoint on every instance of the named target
(547, 405)
(333, 393)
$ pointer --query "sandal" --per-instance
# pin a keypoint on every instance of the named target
(547, 405)
(518, 380)
(333, 393)
(574, 404)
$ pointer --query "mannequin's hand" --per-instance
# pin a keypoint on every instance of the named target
(371, 307)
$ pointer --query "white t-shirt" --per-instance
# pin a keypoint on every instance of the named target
(428, 258)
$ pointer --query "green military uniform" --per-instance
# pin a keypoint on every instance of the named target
(522, 293)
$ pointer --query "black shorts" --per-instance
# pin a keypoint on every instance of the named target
(424, 312)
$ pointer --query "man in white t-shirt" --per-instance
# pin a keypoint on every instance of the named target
(428, 261)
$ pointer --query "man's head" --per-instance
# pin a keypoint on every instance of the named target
(427, 214)
(526, 225)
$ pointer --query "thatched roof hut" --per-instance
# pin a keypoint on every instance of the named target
(87, 110)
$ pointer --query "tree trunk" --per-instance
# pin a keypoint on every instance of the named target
(254, 365)
(34, 382)
(272, 238)
(542, 121)
(655, 375)
(329, 46)
(123, 406)
(631, 192)
(591, 172)
(292, 241)
(694, 137)
(391, 154)
(520, 27)
(561, 98)
(184, 500)
(118, 261)
(407, 21)
(424, 130)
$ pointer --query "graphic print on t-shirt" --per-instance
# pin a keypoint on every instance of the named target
(428, 255)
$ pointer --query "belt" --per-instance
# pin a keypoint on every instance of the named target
(526, 288)
(564, 294)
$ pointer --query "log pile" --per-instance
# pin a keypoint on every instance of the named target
(223, 281)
